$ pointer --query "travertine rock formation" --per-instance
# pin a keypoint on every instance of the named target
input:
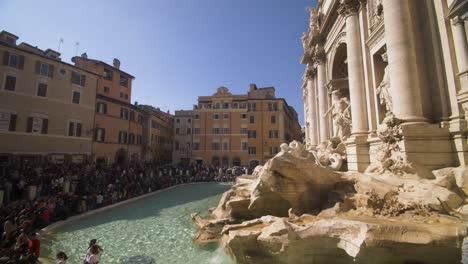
(300, 212)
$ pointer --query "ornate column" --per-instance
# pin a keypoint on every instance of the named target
(406, 75)
(311, 102)
(461, 49)
(357, 93)
(306, 114)
(319, 62)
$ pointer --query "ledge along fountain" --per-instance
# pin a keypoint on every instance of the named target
(296, 210)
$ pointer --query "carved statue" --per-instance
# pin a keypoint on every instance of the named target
(314, 15)
(331, 153)
(341, 115)
(383, 90)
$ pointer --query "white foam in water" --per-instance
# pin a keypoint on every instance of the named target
(153, 230)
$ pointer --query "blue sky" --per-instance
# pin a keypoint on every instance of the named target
(176, 49)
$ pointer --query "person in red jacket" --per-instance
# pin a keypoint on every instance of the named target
(34, 245)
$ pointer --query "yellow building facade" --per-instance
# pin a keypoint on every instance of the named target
(46, 105)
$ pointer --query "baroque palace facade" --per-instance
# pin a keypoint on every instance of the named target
(234, 130)
(53, 111)
(369, 59)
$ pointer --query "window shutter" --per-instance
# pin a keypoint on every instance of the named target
(29, 125)
(45, 125)
(38, 67)
(71, 76)
(71, 127)
(12, 126)
(6, 57)
(78, 129)
(103, 134)
(105, 108)
(83, 80)
(21, 62)
(51, 71)
(95, 134)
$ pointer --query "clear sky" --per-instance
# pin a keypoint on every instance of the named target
(176, 49)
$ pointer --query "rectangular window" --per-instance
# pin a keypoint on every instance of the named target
(244, 146)
(10, 83)
(124, 113)
(37, 125)
(101, 108)
(176, 145)
(216, 130)
(100, 134)
(273, 106)
(216, 116)
(7, 122)
(226, 116)
(139, 139)
(252, 150)
(273, 119)
(252, 119)
(196, 130)
(243, 130)
(215, 146)
(252, 107)
(44, 69)
(177, 131)
(122, 137)
(189, 131)
(177, 120)
(74, 129)
(196, 116)
(226, 146)
(226, 130)
(195, 145)
(106, 89)
(131, 138)
(274, 150)
(76, 97)
(107, 74)
(189, 120)
(124, 80)
(13, 61)
(273, 134)
(243, 116)
(42, 90)
(226, 105)
(78, 79)
(252, 134)
(132, 116)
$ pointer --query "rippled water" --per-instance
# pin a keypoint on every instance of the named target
(157, 229)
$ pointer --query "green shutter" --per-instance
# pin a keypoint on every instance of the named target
(6, 57)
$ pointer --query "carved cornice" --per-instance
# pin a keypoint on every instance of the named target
(349, 7)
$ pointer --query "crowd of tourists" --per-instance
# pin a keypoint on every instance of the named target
(36, 195)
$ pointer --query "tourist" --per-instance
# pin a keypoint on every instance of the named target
(34, 245)
(94, 255)
(62, 258)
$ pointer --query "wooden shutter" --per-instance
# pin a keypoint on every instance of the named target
(71, 76)
(103, 134)
(71, 127)
(12, 126)
(51, 71)
(38, 67)
(29, 125)
(45, 125)
(6, 57)
(21, 62)
(105, 108)
(78, 129)
(83, 80)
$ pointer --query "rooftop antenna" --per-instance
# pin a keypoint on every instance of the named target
(77, 44)
(60, 43)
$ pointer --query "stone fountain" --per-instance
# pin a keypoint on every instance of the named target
(295, 209)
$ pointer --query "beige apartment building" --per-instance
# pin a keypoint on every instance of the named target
(238, 130)
(158, 136)
(183, 132)
(46, 105)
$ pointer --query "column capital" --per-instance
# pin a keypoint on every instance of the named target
(457, 20)
(310, 72)
(319, 55)
(349, 7)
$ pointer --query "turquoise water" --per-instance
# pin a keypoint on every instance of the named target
(157, 229)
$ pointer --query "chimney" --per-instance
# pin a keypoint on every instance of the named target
(84, 55)
(253, 87)
(116, 63)
(136, 103)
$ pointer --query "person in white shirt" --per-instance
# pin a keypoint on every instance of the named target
(99, 199)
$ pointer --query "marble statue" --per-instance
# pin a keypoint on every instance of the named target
(331, 153)
(341, 115)
(383, 90)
